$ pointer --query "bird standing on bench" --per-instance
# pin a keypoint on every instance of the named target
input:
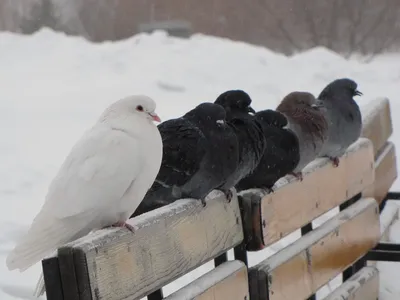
(343, 116)
(100, 183)
(251, 138)
(306, 120)
(281, 154)
(200, 151)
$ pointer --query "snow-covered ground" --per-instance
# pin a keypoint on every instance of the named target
(53, 87)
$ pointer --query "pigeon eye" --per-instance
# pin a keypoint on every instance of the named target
(139, 108)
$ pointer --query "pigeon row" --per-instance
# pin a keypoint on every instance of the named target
(227, 144)
(124, 164)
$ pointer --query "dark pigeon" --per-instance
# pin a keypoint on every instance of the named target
(200, 152)
(236, 103)
(249, 131)
(343, 116)
(281, 154)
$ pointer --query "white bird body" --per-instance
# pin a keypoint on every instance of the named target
(101, 182)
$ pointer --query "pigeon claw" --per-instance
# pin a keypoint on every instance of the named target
(203, 202)
(298, 175)
(228, 195)
(335, 161)
(269, 190)
(124, 224)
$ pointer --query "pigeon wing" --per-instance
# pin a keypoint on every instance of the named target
(95, 175)
(184, 147)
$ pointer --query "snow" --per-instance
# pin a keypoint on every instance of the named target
(54, 87)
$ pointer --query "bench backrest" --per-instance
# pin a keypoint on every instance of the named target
(169, 242)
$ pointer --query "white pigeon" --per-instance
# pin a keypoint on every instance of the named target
(100, 184)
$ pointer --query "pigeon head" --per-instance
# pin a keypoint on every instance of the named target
(339, 88)
(207, 113)
(140, 106)
(271, 117)
(236, 103)
(303, 109)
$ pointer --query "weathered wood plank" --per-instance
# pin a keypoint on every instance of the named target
(52, 279)
(227, 281)
(296, 203)
(168, 242)
(389, 215)
(385, 173)
(299, 270)
(68, 274)
(377, 122)
(364, 285)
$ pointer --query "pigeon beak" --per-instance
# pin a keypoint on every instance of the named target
(251, 110)
(358, 93)
(316, 105)
(155, 117)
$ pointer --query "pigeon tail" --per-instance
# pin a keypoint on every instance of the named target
(40, 288)
(42, 239)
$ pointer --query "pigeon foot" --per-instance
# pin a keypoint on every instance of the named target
(269, 190)
(335, 161)
(298, 175)
(203, 202)
(123, 224)
(229, 195)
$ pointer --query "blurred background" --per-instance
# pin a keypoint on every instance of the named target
(369, 27)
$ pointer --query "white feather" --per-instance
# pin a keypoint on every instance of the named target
(40, 287)
(101, 182)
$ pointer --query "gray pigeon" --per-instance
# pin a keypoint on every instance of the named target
(307, 121)
(343, 116)
(200, 152)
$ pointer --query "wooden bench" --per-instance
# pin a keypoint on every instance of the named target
(114, 264)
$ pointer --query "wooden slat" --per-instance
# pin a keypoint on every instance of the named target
(227, 281)
(299, 270)
(364, 285)
(377, 122)
(385, 173)
(52, 279)
(295, 203)
(389, 215)
(167, 243)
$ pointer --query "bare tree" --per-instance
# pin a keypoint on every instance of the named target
(369, 27)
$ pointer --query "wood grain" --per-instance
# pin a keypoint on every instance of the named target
(227, 281)
(52, 279)
(389, 215)
(167, 243)
(324, 187)
(385, 173)
(364, 285)
(299, 270)
(377, 122)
